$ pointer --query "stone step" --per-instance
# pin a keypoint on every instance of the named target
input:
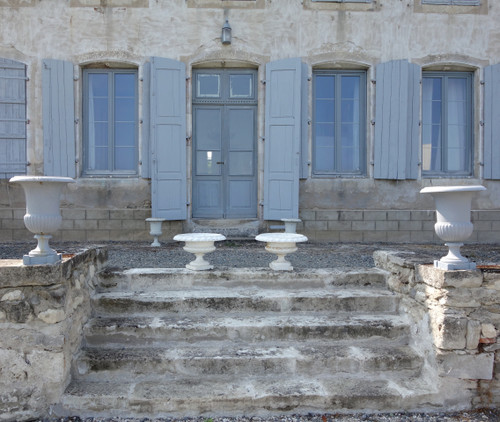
(253, 395)
(246, 299)
(159, 279)
(159, 330)
(245, 359)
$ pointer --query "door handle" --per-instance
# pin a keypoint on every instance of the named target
(220, 162)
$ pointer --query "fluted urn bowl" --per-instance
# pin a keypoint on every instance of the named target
(43, 214)
(453, 225)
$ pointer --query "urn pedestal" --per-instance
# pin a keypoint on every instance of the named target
(43, 215)
(453, 225)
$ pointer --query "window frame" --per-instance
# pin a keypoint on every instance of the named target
(362, 124)
(469, 149)
(451, 2)
(109, 172)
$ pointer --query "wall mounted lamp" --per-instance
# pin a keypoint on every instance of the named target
(226, 33)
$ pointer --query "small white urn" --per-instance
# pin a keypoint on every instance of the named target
(155, 229)
(199, 244)
(43, 215)
(281, 244)
(453, 225)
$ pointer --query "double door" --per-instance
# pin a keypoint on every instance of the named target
(224, 143)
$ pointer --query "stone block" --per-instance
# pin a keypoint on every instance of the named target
(315, 225)
(19, 213)
(410, 225)
(423, 237)
(327, 215)
(73, 214)
(363, 225)
(109, 224)
(428, 215)
(374, 236)
(473, 334)
(487, 215)
(351, 236)
(135, 225)
(97, 214)
(6, 214)
(386, 225)
(339, 225)
(449, 330)
(465, 366)
(96, 235)
(400, 236)
(85, 224)
(6, 235)
(307, 215)
(121, 214)
(351, 215)
(375, 215)
(401, 215)
(73, 235)
(142, 214)
(443, 279)
(488, 330)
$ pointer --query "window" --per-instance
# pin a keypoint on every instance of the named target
(110, 121)
(453, 2)
(339, 122)
(343, 1)
(447, 123)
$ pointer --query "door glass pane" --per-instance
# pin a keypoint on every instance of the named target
(241, 129)
(241, 163)
(208, 163)
(208, 128)
(240, 86)
(208, 86)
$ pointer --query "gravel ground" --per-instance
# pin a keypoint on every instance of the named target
(252, 254)
(483, 415)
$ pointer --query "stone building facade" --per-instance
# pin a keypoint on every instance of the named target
(337, 112)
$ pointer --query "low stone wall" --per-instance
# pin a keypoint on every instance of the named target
(42, 312)
(462, 313)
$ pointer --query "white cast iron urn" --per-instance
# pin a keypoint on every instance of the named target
(453, 225)
(281, 244)
(43, 215)
(199, 244)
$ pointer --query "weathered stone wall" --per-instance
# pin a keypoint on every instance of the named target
(42, 312)
(463, 313)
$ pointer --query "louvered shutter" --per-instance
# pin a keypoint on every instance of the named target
(492, 122)
(283, 131)
(168, 139)
(12, 118)
(58, 110)
(396, 154)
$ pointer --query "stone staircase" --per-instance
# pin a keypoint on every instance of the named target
(171, 342)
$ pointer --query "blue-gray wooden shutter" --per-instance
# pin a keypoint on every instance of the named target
(283, 132)
(168, 139)
(58, 113)
(492, 122)
(396, 152)
(12, 118)
(146, 126)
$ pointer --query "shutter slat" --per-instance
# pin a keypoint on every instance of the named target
(58, 109)
(168, 139)
(283, 133)
(12, 118)
(492, 122)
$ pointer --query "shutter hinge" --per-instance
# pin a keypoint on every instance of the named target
(77, 160)
(28, 121)
(420, 122)
(188, 139)
(372, 122)
(77, 121)
(481, 82)
(28, 164)
(141, 79)
(372, 163)
(188, 78)
(373, 81)
(481, 123)
(188, 204)
(141, 121)
(309, 121)
(308, 163)
(309, 78)
(261, 203)
(481, 164)
(262, 138)
(140, 162)
(263, 81)
(419, 163)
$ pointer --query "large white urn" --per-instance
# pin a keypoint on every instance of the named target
(43, 214)
(453, 225)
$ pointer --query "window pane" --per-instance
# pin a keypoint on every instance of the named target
(325, 86)
(125, 134)
(325, 110)
(431, 123)
(125, 85)
(100, 159)
(124, 158)
(208, 85)
(125, 109)
(99, 133)
(240, 86)
(98, 83)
